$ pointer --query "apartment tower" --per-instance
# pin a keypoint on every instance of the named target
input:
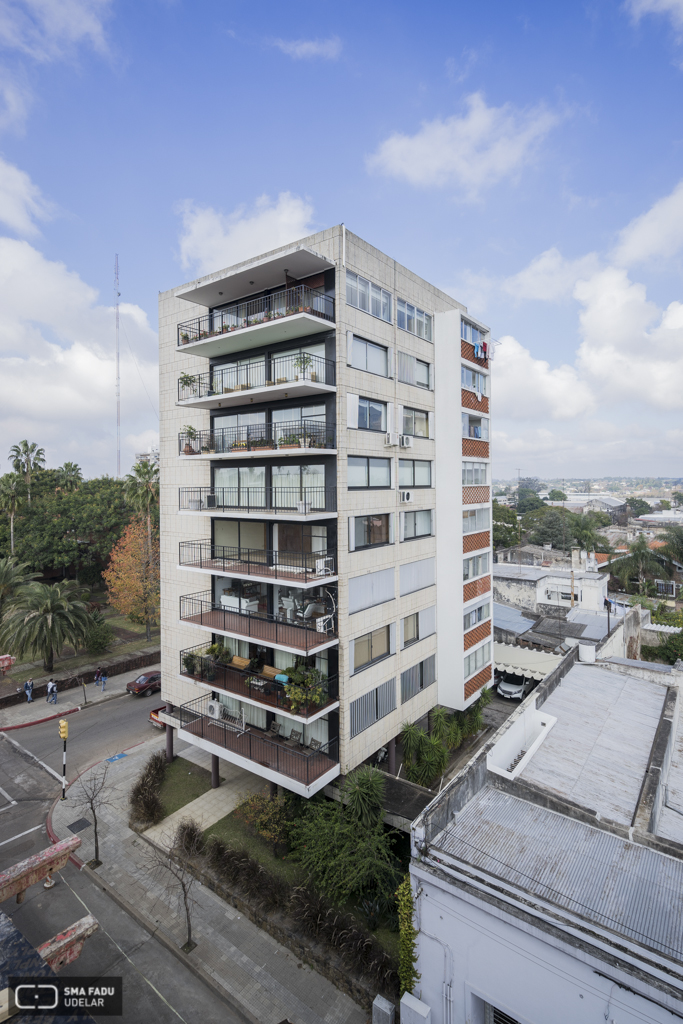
(325, 508)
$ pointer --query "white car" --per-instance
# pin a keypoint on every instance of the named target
(516, 690)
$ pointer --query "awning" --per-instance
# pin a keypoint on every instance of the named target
(523, 661)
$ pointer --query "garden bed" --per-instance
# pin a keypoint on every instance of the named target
(183, 782)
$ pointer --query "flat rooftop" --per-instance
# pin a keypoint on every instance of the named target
(510, 570)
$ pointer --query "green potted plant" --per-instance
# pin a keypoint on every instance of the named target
(190, 433)
(189, 663)
(261, 442)
(306, 687)
(288, 441)
(303, 362)
(188, 381)
(184, 338)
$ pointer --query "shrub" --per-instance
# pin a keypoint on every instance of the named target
(99, 634)
(306, 686)
(364, 795)
(189, 837)
(144, 797)
(407, 952)
(267, 817)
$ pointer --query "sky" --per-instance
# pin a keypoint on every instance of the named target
(525, 157)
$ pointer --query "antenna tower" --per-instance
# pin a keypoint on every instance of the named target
(117, 294)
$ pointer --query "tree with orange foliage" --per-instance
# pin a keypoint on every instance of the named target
(133, 574)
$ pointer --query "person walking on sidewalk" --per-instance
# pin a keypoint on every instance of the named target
(28, 690)
(98, 676)
(104, 680)
(52, 692)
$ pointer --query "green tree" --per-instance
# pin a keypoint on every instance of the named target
(42, 618)
(664, 505)
(11, 500)
(70, 476)
(26, 458)
(673, 545)
(505, 526)
(364, 794)
(527, 500)
(556, 495)
(13, 575)
(677, 498)
(641, 562)
(553, 528)
(529, 483)
(638, 506)
(141, 488)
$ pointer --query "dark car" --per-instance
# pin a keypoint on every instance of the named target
(145, 685)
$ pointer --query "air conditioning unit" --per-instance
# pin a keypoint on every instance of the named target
(303, 507)
(406, 440)
(324, 566)
(390, 439)
(405, 496)
(214, 709)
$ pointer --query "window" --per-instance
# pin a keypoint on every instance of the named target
(416, 321)
(369, 708)
(365, 355)
(468, 332)
(472, 380)
(475, 520)
(421, 374)
(475, 426)
(417, 524)
(478, 659)
(369, 472)
(414, 473)
(413, 371)
(476, 615)
(418, 575)
(478, 565)
(364, 295)
(371, 589)
(371, 531)
(372, 415)
(415, 422)
(418, 678)
(474, 473)
(411, 629)
(371, 647)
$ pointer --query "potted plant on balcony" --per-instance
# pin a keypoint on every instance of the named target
(303, 362)
(188, 382)
(191, 435)
(184, 338)
(261, 442)
(306, 687)
(190, 663)
(288, 441)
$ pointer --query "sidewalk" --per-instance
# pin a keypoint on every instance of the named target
(72, 700)
(264, 981)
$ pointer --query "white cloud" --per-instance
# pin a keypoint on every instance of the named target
(550, 277)
(21, 202)
(49, 29)
(305, 49)
(472, 151)
(656, 233)
(528, 388)
(672, 8)
(211, 240)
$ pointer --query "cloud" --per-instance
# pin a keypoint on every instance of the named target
(472, 152)
(673, 8)
(49, 29)
(458, 70)
(656, 233)
(550, 277)
(528, 388)
(211, 240)
(21, 202)
(305, 49)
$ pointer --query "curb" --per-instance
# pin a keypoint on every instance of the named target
(61, 714)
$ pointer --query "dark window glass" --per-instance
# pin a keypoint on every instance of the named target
(371, 530)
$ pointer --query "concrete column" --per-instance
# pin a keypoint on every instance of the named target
(215, 781)
(169, 736)
(392, 756)
(273, 791)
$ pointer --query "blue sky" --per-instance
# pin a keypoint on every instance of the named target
(525, 157)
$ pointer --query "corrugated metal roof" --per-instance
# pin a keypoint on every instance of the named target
(511, 619)
(627, 888)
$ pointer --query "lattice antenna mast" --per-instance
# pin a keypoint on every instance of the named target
(117, 295)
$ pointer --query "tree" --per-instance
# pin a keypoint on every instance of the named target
(364, 791)
(528, 500)
(677, 498)
(640, 562)
(673, 544)
(529, 483)
(10, 501)
(141, 488)
(13, 574)
(556, 495)
(554, 529)
(91, 797)
(42, 618)
(664, 505)
(133, 575)
(505, 527)
(638, 506)
(70, 476)
(176, 875)
(26, 458)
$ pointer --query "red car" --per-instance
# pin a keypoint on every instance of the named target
(145, 685)
(154, 717)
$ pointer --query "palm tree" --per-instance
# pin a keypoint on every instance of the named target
(42, 618)
(26, 458)
(640, 561)
(70, 476)
(10, 501)
(13, 574)
(141, 488)
(673, 546)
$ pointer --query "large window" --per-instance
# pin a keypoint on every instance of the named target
(468, 332)
(371, 647)
(472, 380)
(372, 415)
(414, 473)
(411, 629)
(475, 520)
(365, 295)
(366, 472)
(475, 426)
(417, 524)
(369, 708)
(421, 373)
(415, 422)
(478, 565)
(476, 615)
(409, 318)
(365, 355)
(371, 531)
(475, 473)
(418, 678)
(413, 371)
(475, 661)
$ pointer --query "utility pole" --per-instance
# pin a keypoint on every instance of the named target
(63, 735)
(117, 295)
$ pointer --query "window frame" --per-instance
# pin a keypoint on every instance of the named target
(467, 327)
(471, 464)
(416, 638)
(413, 410)
(381, 657)
(471, 611)
(374, 344)
(419, 384)
(474, 514)
(415, 486)
(385, 296)
(368, 486)
(478, 575)
(464, 370)
(376, 401)
(484, 419)
(473, 654)
(428, 319)
(418, 536)
(379, 544)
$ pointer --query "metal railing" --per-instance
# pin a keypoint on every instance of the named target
(197, 664)
(297, 500)
(258, 437)
(301, 566)
(261, 373)
(304, 766)
(287, 302)
(276, 629)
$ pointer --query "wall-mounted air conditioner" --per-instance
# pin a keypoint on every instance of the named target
(390, 439)
(214, 709)
(405, 496)
(406, 440)
(324, 566)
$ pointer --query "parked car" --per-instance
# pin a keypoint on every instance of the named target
(514, 689)
(154, 717)
(145, 685)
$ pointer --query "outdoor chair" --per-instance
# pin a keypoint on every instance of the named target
(275, 730)
(295, 738)
(315, 745)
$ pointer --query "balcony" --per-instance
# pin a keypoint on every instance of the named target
(273, 630)
(257, 439)
(305, 770)
(293, 503)
(271, 378)
(261, 689)
(303, 568)
(287, 314)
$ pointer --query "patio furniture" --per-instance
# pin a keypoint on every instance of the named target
(315, 745)
(275, 729)
(294, 738)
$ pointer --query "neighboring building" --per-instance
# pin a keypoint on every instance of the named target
(544, 591)
(313, 477)
(660, 520)
(548, 874)
(151, 456)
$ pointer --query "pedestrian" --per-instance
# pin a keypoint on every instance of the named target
(28, 690)
(98, 676)
(104, 680)
(52, 691)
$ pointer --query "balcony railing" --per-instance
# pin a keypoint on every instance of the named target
(304, 766)
(258, 437)
(293, 566)
(289, 301)
(197, 664)
(201, 610)
(284, 500)
(260, 374)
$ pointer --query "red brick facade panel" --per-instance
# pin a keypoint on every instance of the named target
(476, 495)
(467, 352)
(473, 449)
(476, 588)
(479, 632)
(476, 541)
(469, 401)
(476, 682)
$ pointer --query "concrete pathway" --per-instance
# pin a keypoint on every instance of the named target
(264, 981)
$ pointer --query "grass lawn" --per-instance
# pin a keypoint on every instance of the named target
(65, 666)
(183, 782)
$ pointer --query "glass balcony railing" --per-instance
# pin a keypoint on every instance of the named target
(271, 500)
(261, 373)
(258, 437)
(292, 566)
(201, 610)
(287, 302)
